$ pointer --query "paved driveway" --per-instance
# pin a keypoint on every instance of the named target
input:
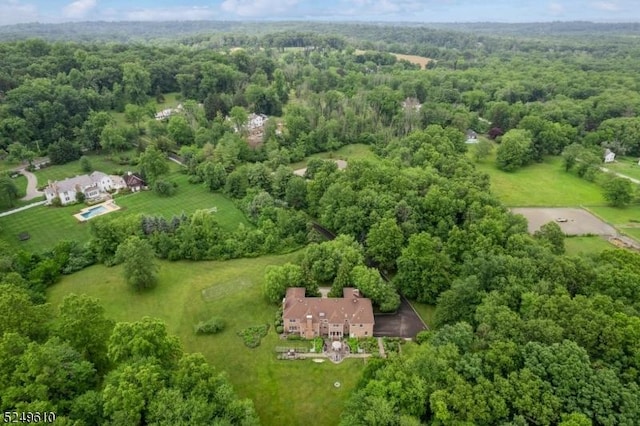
(405, 323)
(578, 221)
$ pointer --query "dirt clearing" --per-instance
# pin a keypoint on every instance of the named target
(572, 221)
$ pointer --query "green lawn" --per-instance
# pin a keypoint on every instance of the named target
(171, 100)
(625, 165)
(188, 199)
(586, 245)
(48, 225)
(356, 151)
(426, 312)
(626, 219)
(284, 392)
(541, 184)
(103, 162)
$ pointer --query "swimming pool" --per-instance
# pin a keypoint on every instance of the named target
(94, 211)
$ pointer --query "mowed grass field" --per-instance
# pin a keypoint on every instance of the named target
(418, 60)
(586, 245)
(49, 225)
(541, 184)
(103, 162)
(426, 312)
(625, 219)
(414, 59)
(284, 392)
(627, 166)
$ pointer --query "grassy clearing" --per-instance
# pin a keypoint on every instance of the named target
(171, 100)
(426, 312)
(414, 59)
(188, 199)
(541, 184)
(45, 225)
(627, 166)
(418, 60)
(102, 162)
(284, 392)
(626, 219)
(586, 245)
(48, 225)
(356, 151)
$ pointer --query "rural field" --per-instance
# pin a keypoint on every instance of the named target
(586, 245)
(48, 225)
(627, 166)
(284, 392)
(418, 60)
(548, 185)
(541, 185)
(414, 59)
(626, 220)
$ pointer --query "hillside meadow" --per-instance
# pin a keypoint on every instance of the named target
(284, 392)
(543, 184)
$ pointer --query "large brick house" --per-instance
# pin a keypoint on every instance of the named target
(332, 317)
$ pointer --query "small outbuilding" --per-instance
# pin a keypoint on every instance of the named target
(472, 137)
(609, 156)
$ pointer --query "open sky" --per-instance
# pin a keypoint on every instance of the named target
(19, 11)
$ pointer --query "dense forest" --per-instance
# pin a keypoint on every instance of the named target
(524, 333)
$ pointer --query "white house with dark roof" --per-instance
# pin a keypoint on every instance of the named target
(92, 186)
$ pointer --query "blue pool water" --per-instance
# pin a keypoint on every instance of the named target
(94, 211)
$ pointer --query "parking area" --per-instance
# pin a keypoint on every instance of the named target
(405, 323)
(572, 221)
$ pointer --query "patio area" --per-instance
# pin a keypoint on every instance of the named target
(96, 210)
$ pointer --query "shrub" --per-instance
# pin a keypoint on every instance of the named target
(85, 164)
(423, 336)
(211, 326)
(253, 335)
(279, 329)
(165, 189)
(318, 344)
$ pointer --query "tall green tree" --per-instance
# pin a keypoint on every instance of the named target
(136, 81)
(140, 268)
(9, 192)
(112, 139)
(618, 191)
(81, 322)
(514, 150)
(423, 269)
(153, 164)
(384, 243)
(278, 278)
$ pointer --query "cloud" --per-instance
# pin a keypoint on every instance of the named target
(608, 6)
(14, 11)
(195, 13)
(556, 8)
(259, 8)
(79, 9)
